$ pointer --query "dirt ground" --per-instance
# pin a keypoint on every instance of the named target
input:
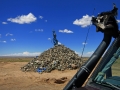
(12, 78)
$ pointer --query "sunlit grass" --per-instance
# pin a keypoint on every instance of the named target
(116, 68)
(15, 59)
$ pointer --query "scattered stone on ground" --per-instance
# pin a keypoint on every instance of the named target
(57, 58)
(61, 80)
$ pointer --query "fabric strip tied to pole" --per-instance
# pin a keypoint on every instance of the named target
(101, 74)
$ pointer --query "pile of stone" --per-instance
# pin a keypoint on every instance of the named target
(57, 58)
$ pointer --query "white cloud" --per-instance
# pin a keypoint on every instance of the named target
(39, 30)
(4, 22)
(45, 20)
(84, 21)
(24, 54)
(23, 19)
(89, 53)
(13, 39)
(3, 41)
(59, 43)
(118, 21)
(41, 17)
(84, 43)
(0, 35)
(77, 52)
(49, 38)
(8, 34)
(65, 31)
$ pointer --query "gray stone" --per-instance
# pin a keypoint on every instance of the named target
(59, 57)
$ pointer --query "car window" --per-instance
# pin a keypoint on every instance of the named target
(116, 68)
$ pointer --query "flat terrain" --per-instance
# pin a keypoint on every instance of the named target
(12, 78)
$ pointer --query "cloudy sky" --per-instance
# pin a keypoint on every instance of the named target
(26, 25)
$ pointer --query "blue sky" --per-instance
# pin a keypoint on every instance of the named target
(26, 25)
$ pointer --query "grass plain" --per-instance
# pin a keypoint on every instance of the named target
(12, 78)
(15, 59)
(116, 68)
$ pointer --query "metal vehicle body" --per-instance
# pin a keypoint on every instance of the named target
(96, 71)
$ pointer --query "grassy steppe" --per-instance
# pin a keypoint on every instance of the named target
(15, 59)
(115, 66)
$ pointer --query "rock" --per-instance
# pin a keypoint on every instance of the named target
(74, 66)
(59, 57)
(61, 80)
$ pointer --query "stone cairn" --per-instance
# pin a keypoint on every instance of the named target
(57, 58)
